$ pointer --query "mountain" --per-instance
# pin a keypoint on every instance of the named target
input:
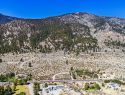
(74, 32)
(5, 19)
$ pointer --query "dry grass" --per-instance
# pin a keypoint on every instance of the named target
(22, 88)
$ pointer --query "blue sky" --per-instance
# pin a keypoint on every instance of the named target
(46, 8)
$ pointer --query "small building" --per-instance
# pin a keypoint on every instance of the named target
(106, 72)
(54, 87)
(20, 76)
(113, 85)
(91, 85)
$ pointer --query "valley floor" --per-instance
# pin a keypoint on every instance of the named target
(44, 66)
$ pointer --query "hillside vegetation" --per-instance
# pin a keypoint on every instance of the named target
(78, 32)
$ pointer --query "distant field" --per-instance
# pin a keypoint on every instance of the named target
(22, 88)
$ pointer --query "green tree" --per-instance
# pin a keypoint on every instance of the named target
(3, 78)
(1, 90)
(29, 76)
(21, 60)
(98, 71)
(29, 64)
(71, 68)
(77, 53)
(66, 61)
(74, 76)
(8, 90)
(84, 77)
(86, 87)
(97, 86)
(55, 84)
(0, 60)
(81, 70)
(102, 84)
(95, 76)
(20, 82)
(15, 82)
(106, 81)
(25, 81)
(46, 85)
(38, 86)
(35, 92)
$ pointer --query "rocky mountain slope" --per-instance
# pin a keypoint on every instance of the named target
(78, 32)
(5, 19)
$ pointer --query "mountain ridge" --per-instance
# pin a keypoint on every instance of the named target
(77, 32)
(4, 18)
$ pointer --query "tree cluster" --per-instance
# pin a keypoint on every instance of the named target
(36, 88)
(6, 91)
(20, 82)
(6, 77)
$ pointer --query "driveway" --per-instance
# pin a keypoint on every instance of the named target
(21, 66)
(30, 89)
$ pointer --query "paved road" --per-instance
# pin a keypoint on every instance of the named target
(21, 66)
(70, 80)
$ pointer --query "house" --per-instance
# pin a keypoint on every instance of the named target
(113, 85)
(51, 87)
(106, 72)
(20, 76)
(91, 86)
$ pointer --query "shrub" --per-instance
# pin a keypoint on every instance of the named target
(87, 84)
(74, 77)
(55, 84)
(102, 84)
(8, 90)
(21, 60)
(20, 82)
(22, 93)
(29, 65)
(106, 81)
(0, 60)
(71, 68)
(46, 85)
(84, 77)
(15, 82)
(95, 76)
(81, 70)
(25, 81)
(36, 88)
(86, 87)
(96, 86)
(66, 61)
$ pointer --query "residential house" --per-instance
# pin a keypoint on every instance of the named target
(113, 86)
